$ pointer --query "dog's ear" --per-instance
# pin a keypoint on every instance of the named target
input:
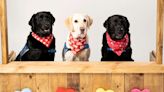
(90, 21)
(32, 20)
(52, 18)
(68, 23)
(106, 23)
(127, 24)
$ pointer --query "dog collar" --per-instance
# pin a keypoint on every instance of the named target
(119, 46)
(44, 40)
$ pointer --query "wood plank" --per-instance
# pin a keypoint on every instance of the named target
(101, 81)
(42, 83)
(28, 81)
(73, 81)
(53, 82)
(62, 80)
(3, 30)
(134, 81)
(1, 85)
(160, 29)
(2, 79)
(86, 83)
(154, 82)
(57, 80)
(9, 82)
(117, 82)
(81, 67)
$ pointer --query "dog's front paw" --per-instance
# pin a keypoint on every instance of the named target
(69, 56)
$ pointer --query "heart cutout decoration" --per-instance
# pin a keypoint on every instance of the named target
(103, 90)
(138, 90)
(24, 90)
(62, 89)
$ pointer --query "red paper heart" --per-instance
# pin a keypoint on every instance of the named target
(61, 89)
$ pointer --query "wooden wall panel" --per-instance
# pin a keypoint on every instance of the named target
(9, 82)
(62, 80)
(28, 80)
(134, 81)
(42, 83)
(3, 82)
(57, 80)
(81, 82)
(86, 83)
(154, 82)
(73, 81)
(101, 80)
(53, 82)
(117, 82)
(1, 85)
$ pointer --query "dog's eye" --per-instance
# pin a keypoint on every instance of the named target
(75, 21)
(85, 20)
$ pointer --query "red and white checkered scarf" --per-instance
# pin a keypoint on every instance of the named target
(118, 46)
(76, 45)
(44, 40)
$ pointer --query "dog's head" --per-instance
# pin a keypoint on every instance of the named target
(41, 23)
(117, 26)
(78, 25)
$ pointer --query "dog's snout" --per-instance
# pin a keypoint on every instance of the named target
(82, 30)
(121, 29)
(46, 26)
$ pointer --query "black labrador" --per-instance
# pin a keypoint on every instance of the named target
(116, 40)
(40, 45)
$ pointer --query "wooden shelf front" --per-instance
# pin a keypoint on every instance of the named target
(81, 67)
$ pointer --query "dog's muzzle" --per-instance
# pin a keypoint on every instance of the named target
(82, 30)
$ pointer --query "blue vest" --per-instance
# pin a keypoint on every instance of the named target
(26, 49)
(86, 46)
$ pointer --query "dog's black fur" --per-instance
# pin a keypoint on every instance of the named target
(39, 22)
(117, 26)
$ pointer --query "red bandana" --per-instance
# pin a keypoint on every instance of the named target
(44, 40)
(76, 44)
(117, 46)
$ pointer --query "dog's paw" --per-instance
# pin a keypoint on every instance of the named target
(69, 56)
(61, 89)
(138, 90)
(103, 90)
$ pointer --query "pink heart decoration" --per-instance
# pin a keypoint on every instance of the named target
(138, 90)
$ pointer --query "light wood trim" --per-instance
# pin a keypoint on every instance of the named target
(81, 67)
(3, 29)
(160, 29)
(159, 37)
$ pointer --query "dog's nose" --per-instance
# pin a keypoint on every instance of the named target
(82, 30)
(121, 29)
(46, 27)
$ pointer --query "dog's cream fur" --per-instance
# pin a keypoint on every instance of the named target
(76, 24)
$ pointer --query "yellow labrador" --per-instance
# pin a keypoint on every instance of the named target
(76, 47)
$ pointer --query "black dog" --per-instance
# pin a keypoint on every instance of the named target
(116, 40)
(40, 44)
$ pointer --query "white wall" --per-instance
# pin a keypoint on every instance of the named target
(141, 14)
